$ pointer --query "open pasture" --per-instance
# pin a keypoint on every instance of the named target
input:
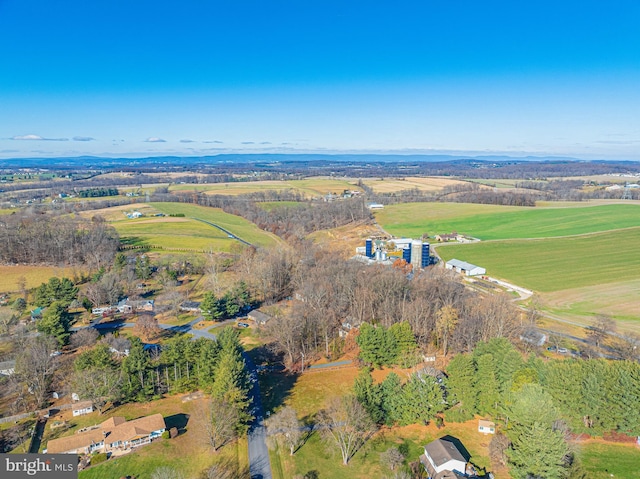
(392, 185)
(312, 187)
(173, 233)
(489, 222)
(495, 183)
(556, 264)
(10, 276)
(181, 232)
(236, 224)
(617, 300)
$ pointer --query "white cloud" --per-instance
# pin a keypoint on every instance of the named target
(155, 139)
(187, 141)
(36, 138)
(83, 138)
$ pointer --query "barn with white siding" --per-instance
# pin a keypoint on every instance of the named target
(465, 268)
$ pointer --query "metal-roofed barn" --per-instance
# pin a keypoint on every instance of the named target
(465, 268)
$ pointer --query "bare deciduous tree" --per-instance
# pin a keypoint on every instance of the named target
(218, 420)
(35, 367)
(446, 321)
(84, 337)
(285, 428)
(391, 458)
(147, 326)
(346, 424)
(100, 385)
(601, 328)
(7, 318)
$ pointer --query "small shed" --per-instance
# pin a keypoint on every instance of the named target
(7, 368)
(486, 427)
(190, 306)
(83, 407)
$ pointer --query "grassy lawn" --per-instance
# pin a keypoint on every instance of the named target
(607, 460)
(34, 275)
(180, 454)
(308, 393)
(489, 222)
(556, 264)
(316, 455)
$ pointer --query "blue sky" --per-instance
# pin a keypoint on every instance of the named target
(137, 78)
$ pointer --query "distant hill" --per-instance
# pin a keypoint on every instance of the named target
(265, 158)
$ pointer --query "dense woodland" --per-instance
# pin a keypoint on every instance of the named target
(56, 240)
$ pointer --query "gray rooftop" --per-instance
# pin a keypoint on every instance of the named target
(442, 451)
(456, 263)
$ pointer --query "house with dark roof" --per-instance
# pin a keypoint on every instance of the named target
(190, 306)
(445, 458)
(259, 317)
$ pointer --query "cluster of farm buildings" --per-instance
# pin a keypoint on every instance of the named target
(417, 253)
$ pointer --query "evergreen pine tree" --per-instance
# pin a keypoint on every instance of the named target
(421, 400)
(461, 386)
(391, 392)
(369, 394)
(136, 367)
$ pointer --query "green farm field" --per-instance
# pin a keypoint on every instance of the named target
(489, 222)
(555, 264)
(184, 232)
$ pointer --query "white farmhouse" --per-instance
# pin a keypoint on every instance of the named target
(442, 459)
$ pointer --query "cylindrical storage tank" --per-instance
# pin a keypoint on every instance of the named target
(378, 255)
(416, 253)
(406, 254)
(369, 248)
(426, 259)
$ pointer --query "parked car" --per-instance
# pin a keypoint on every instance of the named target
(243, 325)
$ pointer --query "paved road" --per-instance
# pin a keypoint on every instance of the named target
(229, 233)
(259, 464)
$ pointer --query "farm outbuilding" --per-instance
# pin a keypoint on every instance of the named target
(486, 427)
(465, 268)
